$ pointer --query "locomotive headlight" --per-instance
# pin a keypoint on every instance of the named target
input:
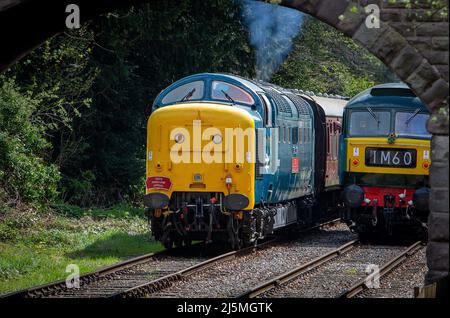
(150, 155)
(367, 201)
(179, 138)
(217, 139)
(198, 178)
(353, 196)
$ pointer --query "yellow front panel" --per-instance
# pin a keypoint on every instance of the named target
(189, 119)
(356, 149)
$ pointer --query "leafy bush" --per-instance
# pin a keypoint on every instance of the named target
(24, 175)
(7, 232)
(120, 211)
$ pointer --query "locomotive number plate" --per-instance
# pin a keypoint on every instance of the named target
(390, 157)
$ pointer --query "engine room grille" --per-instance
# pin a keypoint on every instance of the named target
(282, 105)
(301, 105)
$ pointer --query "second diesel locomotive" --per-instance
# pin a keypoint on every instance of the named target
(234, 159)
(385, 162)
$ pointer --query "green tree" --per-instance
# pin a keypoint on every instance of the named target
(139, 51)
(24, 175)
(334, 64)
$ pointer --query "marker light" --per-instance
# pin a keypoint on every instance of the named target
(179, 138)
(367, 201)
(217, 139)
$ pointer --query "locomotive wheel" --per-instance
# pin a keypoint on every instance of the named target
(187, 241)
(178, 242)
(168, 243)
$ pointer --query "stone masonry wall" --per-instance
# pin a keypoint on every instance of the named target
(414, 43)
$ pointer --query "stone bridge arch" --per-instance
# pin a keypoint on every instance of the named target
(416, 49)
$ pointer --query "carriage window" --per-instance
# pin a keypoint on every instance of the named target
(300, 135)
(370, 123)
(294, 136)
(186, 92)
(328, 138)
(411, 124)
(228, 92)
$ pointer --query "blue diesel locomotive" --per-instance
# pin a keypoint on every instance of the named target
(233, 159)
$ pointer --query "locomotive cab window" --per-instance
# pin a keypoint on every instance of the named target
(370, 123)
(186, 92)
(231, 93)
(412, 124)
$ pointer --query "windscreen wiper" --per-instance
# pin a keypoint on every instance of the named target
(188, 95)
(374, 116)
(228, 97)
(412, 116)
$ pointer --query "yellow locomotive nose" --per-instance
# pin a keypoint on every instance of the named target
(201, 147)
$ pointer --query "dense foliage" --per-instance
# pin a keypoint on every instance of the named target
(83, 98)
(326, 61)
(73, 113)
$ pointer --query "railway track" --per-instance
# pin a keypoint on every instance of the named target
(297, 271)
(142, 275)
(160, 286)
(234, 276)
(395, 262)
(177, 257)
(313, 278)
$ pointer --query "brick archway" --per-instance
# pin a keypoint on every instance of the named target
(417, 52)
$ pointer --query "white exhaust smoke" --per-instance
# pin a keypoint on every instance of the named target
(272, 29)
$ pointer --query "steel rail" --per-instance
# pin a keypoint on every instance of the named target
(298, 271)
(168, 280)
(54, 287)
(156, 285)
(361, 285)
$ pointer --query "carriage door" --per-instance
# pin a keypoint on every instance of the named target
(271, 137)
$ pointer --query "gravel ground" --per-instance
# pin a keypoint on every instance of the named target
(401, 281)
(132, 277)
(332, 278)
(234, 277)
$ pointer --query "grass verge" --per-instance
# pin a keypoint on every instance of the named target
(36, 247)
